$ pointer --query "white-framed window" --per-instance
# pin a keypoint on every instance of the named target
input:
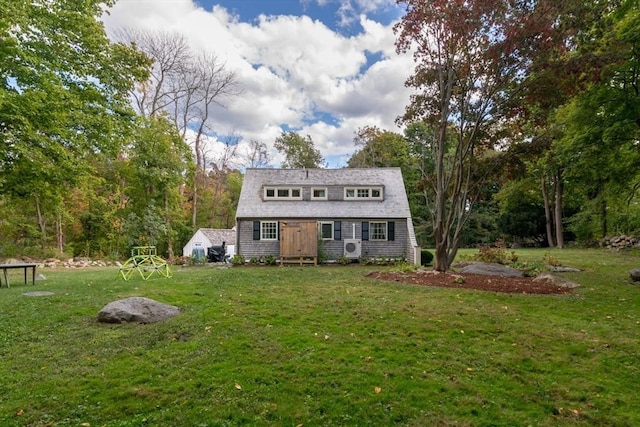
(363, 193)
(282, 193)
(378, 230)
(268, 230)
(318, 193)
(326, 230)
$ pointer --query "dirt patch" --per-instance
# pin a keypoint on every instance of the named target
(511, 285)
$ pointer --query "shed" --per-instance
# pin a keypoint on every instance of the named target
(206, 237)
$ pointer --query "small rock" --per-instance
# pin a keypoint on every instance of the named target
(560, 269)
(635, 274)
(554, 279)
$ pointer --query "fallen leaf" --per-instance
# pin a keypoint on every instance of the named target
(238, 386)
(20, 412)
(377, 390)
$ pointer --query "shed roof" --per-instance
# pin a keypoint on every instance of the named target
(394, 205)
(216, 235)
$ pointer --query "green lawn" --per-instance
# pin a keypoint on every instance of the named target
(319, 346)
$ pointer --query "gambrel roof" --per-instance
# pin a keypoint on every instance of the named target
(394, 203)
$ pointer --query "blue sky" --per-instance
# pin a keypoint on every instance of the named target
(323, 68)
(339, 15)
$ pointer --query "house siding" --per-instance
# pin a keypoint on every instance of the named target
(333, 249)
(250, 248)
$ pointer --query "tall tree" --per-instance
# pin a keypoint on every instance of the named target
(470, 57)
(557, 76)
(380, 148)
(383, 148)
(299, 152)
(257, 155)
(63, 97)
(159, 163)
(186, 86)
(599, 130)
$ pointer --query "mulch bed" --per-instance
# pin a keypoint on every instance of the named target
(512, 285)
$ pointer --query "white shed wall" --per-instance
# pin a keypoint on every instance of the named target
(198, 239)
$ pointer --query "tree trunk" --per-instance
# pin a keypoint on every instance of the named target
(42, 225)
(439, 230)
(168, 225)
(603, 216)
(558, 209)
(59, 234)
(194, 212)
(547, 214)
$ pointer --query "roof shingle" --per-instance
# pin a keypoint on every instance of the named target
(394, 205)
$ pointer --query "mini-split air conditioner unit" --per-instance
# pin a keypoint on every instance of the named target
(352, 248)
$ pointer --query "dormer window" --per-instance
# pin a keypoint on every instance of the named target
(282, 193)
(318, 193)
(363, 193)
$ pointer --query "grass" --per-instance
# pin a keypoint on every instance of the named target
(321, 346)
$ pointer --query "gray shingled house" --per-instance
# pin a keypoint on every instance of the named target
(293, 214)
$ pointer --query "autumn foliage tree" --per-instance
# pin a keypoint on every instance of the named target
(63, 100)
(471, 57)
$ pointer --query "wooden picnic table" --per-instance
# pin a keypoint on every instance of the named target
(24, 266)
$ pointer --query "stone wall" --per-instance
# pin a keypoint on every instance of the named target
(620, 242)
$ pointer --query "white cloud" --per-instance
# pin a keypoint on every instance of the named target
(291, 70)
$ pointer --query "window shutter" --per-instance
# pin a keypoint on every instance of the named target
(391, 230)
(365, 231)
(337, 230)
(256, 230)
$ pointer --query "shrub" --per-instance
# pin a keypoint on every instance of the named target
(426, 257)
(404, 266)
(237, 260)
(496, 254)
(270, 260)
(343, 260)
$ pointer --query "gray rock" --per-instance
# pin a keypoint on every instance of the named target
(136, 309)
(560, 269)
(38, 294)
(635, 274)
(554, 279)
(491, 269)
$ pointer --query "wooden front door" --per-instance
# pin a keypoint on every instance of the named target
(299, 240)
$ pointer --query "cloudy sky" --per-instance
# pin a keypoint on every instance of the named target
(322, 68)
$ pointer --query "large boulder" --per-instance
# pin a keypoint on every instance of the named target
(491, 269)
(136, 309)
(635, 274)
(556, 280)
